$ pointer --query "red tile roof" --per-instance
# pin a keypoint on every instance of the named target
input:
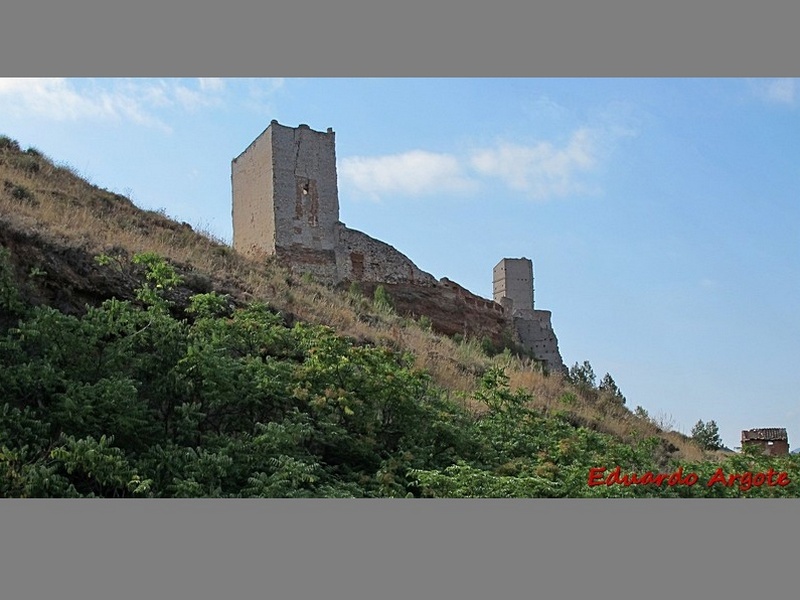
(768, 433)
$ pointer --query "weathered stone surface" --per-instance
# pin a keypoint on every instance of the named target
(285, 191)
(512, 284)
(451, 308)
(363, 258)
(512, 279)
(535, 332)
(285, 203)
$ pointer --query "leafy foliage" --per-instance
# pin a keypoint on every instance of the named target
(382, 301)
(582, 375)
(143, 399)
(707, 435)
(609, 388)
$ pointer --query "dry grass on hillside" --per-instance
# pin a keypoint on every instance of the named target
(53, 202)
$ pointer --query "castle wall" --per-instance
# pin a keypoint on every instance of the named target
(306, 197)
(286, 200)
(535, 332)
(252, 187)
(286, 203)
(363, 258)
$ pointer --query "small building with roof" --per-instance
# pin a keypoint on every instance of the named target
(773, 440)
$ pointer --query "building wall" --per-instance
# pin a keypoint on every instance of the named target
(512, 285)
(286, 203)
(306, 197)
(776, 448)
(286, 200)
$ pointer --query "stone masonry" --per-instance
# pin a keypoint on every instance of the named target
(512, 284)
(286, 205)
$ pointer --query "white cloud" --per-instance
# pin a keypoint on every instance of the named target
(708, 283)
(60, 100)
(782, 90)
(544, 109)
(542, 170)
(135, 100)
(194, 99)
(539, 171)
(260, 97)
(778, 91)
(414, 173)
(213, 84)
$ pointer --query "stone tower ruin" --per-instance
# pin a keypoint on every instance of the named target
(285, 198)
(512, 283)
(286, 204)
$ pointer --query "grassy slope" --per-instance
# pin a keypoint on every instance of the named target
(55, 223)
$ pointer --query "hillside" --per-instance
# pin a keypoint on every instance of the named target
(72, 246)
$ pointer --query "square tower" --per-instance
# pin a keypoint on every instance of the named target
(513, 280)
(285, 197)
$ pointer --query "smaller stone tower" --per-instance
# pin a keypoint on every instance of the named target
(513, 283)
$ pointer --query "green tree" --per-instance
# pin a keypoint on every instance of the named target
(609, 387)
(707, 435)
(582, 375)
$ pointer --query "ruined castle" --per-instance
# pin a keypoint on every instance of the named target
(286, 205)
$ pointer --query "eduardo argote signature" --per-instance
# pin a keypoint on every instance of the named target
(745, 481)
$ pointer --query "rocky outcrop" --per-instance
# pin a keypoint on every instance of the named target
(59, 275)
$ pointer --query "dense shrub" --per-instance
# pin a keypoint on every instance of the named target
(140, 399)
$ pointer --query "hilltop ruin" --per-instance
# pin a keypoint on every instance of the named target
(286, 205)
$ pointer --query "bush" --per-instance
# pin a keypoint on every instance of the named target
(425, 323)
(6, 143)
(27, 162)
(354, 291)
(382, 301)
(20, 192)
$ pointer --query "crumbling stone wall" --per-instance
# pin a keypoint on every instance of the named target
(305, 195)
(534, 329)
(286, 204)
(363, 258)
(253, 208)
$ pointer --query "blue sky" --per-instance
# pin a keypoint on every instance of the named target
(662, 215)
